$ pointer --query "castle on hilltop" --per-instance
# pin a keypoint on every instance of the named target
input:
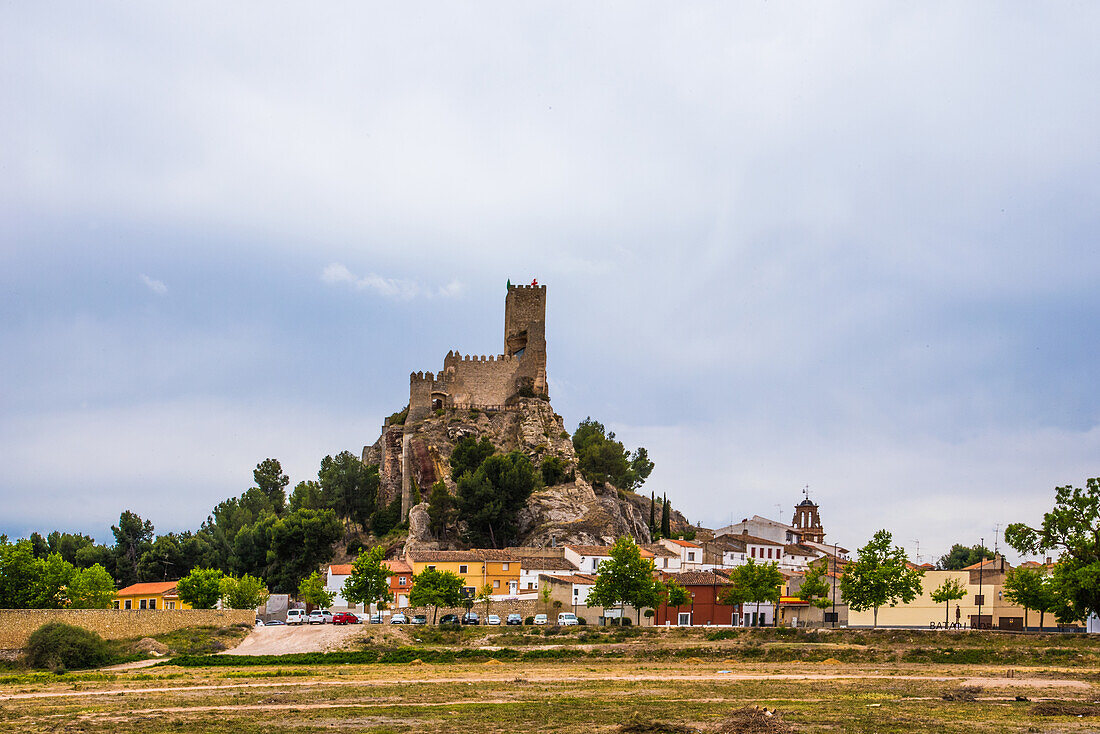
(492, 382)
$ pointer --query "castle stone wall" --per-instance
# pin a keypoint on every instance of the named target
(16, 625)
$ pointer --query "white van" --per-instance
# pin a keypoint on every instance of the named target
(567, 619)
(296, 616)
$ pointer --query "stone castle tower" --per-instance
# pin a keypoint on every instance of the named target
(807, 522)
(492, 382)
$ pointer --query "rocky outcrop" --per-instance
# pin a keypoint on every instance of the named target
(575, 512)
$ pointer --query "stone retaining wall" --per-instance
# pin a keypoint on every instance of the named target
(16, 625)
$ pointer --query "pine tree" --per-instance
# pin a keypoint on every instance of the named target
(652, 513)
(666, 519)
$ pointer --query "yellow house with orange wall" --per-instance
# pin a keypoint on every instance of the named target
(155, 595)
(477, 568)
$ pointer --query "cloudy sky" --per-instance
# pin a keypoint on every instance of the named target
(786, 244)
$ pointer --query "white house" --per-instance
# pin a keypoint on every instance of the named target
(588, 558)
(530, 568)
(334, 583)
(691, 554)
(664, 559)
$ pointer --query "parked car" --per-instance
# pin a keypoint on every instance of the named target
(399, 618)
(514, 619)
(449, 619)
(492, 619)
(320, 616)
(344, 618)
(540, 619)
(275, 623)
(376, 619)
(471, 618)
(567, 619)
(296, 616)
(420, 619)
(259, 622)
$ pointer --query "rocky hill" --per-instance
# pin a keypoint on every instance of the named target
(417, 454)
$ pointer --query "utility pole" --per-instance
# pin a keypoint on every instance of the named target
(981, 567)
(834, 585)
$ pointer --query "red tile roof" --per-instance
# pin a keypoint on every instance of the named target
(343, 569)
(165, 588)
(683, 543)
(397, 566)
(602, 550)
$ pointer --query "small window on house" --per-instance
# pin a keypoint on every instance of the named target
(496, 584)
(979, 600)
(143, 604)
(684, 619)
(753, 552)
(431, 568)
(400, 580)
(463, 569)
(504, 567)
(576, 592)
(129, 603)
(169, 605)
(530, 584)
(114, 604)
(152, 603)
(691, 556)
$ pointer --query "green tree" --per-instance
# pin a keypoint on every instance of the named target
(272, 482)
(69, 545)
(441, 510)
(246, 592)
(753, 583)
(297, 543)
(960, 556)
(133, 537)
(485, 595)
(312, 591)
(1073, 527)
(666, 519)
(626, 578)
(91, 588)
(652, 514)
(163, 560)
(1026, 588)
(602, 459)
(307, 496)
(880, 575)
(201, 588)
(815, 587)
(950, 590)
(369, 582)
(675, 595)
(386, 518)
(553, 470)
(468, 455)
(349, 487)
(435, 589)
(489, 499)
(52, 582)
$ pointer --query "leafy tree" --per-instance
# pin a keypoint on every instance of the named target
(553, 471)
(489, 499)
(91, 588)
(441, 510)
(39, 547)
(369, 582)
(312, 591)
(300, 541)
(959, 557)
(675, 595)
(164, 559)
(626, 578)
(272, 482)
(1026, 587)
(544, 595)
(753, 583)
(815, 588)
(386, 518)
(485, 595)
(19, 570)
(307, 496)
(201, 588)
(468, 455)
(951, 590)
(349, 487)
(133, 537)
(246, 592)
(1073, 527)
(435, 589)
(69, 545)
(52, 581)
(880, 575)
(602, 459)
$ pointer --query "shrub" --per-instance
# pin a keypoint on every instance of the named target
(581, 620)
(627, 622)
(529, 620)
(60, 646)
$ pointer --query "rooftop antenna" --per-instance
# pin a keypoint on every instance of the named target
(917, 554)
(806, 491)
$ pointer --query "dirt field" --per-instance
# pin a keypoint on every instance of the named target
(689, 682)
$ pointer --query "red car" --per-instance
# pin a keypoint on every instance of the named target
(345, 618)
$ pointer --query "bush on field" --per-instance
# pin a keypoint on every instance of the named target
(60, 646)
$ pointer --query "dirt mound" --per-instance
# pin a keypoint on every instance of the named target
(638, 724)
(1066, 708)
(962, 693)
(753, 720)
(151, 646)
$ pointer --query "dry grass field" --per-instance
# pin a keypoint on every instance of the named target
(507, 681)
